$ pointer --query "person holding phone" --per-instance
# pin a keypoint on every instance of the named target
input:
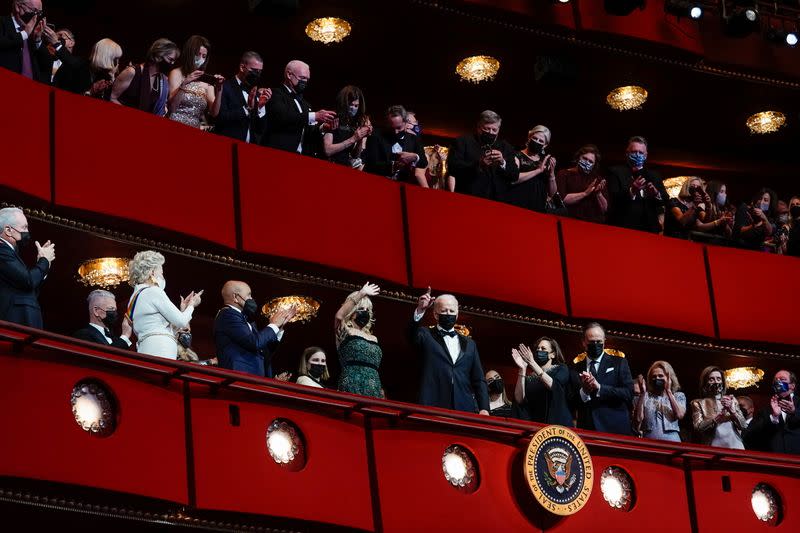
(193, 94)
(752, 224)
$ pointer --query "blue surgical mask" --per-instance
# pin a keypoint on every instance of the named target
(353, 110)
(586, 165)
(417, 129)
(199, 61)
(780, 387)
(722, 198)
(764, 206)
(637, 159)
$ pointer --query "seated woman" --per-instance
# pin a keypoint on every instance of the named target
(583, 187)
(717, 418)
(660, 406)
(190, 97)
(155, 318)
(689, 211)
(313, 369)
(348, 139)
(752, 226)
(546, 393)
(359, 352)
(537, 173)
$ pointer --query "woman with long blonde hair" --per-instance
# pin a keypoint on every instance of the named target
(359, 352)
(661, 405)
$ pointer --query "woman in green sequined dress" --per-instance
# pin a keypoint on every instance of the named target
(359, 352)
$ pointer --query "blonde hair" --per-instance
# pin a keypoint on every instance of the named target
(684, 194)
(363, 303)
(105, 57)
(540, 129)
(142, 266)
(675, 385)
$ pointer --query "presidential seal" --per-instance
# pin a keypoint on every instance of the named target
(559, 470)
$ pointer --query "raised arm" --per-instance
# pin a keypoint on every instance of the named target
(369, 289)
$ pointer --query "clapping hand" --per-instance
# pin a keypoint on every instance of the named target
(787, 406)
(549, 165)
(48, 251)
(284, 376)
(588, 382)
(727, 403)
(527, 356)
(324, 116)
(264, 96)
(642, 385)
(425, 302)
(650, 190)
(638, 184)
(281, 317)
(668, 384)
(127, 327)
(518, 360)
(775, 406)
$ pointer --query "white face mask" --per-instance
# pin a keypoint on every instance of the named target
(199, 61)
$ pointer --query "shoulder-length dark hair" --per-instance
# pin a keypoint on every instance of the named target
(559, 356)
(773, 200)
(190, 49)
(307, 353)
(347, 96)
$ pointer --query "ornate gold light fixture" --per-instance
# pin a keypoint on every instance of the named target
(307, 307)
(478, 68)
(743, 377)
(627, 98)
(105, 272)
(766, 122)
(674, 185)
(328, 30)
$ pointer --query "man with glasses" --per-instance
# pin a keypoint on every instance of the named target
(21, 48)
(103, 317)
(242, 113)
(20, 285)
(291, 125)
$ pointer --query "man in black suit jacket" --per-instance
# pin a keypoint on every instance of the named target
(242, 112)
(19, 34)
(394, 152)
(20, 285)
(776, 428)
(638, 197)
(452, 376)
(291, 125)
(103, 317)
(605, 394)
(482, 164)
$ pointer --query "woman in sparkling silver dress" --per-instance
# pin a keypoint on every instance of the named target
(191, 99)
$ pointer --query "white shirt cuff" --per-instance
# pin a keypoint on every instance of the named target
(126, 340)
(775, 419)
(279, 332)
(418, 316)
(312, 118)
(585, 397)
(24, 35)
(262, 112)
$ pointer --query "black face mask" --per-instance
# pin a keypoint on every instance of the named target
(301, 86)
(316, 370)
(446, 322)
(795, 211)
(714, 388)
(658, 384)
(535, 148)
(487, 139)
(185, 339)
(250, 309)
(251, 78)
(24, 239)
(594, 350)
(541, 357)
(110, 319)
(165, 67)
(361, 318)
(496, 386)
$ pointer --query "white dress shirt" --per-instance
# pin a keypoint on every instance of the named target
(585, 397)
(262, 111)
(312, 119)
(273, 327)
(453, 346)
(23, 33)
(109, 340)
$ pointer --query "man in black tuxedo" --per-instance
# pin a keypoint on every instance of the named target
(21, 47)
(243, 112)
(482, 164)
(396, 153)
(103, 317)
(605, 394)
(638, 197)
(291, 125)
(452, 376)
(776, 428)
(20, 285)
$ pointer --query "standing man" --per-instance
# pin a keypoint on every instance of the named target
(103, 318)
(240, 345)
(394, 152)
(291, 125)
(242, 113)
(20, 285)
(452, 376)
(638, 196)
(21, 48)
(776, 428)
(606, 386)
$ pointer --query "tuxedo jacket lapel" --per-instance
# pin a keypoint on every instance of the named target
(462, 344)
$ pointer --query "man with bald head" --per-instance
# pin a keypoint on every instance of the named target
(240, 344)
(291, 124)
(103, 317)
(452, 375)
(21, 48)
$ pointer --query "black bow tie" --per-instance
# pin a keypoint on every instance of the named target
(107, 332)
(447, 333)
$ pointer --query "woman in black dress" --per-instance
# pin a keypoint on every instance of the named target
(348, 139)
(536, 185)
(546, 391)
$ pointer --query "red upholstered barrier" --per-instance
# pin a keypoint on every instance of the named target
(756, 295)
(133, 165)
(24, 131)
(308, 209)
(484, 248)
(629, 276)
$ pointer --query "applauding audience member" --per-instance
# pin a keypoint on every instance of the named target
(313, 370)
(752, 226)
(21, 34)
(716, 417)
(483, 164)
(776, 428)
(103, 318)
(536, 183)
(242, 112)
(193, 94)
(348, 139)
(452, 375)
(748, 408)
(689, 211)
(545, 393)
(719, 209)
(394, 153)
(20, 285)
(146, 87)
(359, 352)
(661, 405)
(584, 189)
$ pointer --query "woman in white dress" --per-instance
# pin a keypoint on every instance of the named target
(155, 318)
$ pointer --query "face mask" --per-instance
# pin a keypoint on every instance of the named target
(541, 357)
(585, 165)
(658, 383)
(714, 388)
(496, 386)
(535, 148)
(784, 218)
(488, 138)
(162, 283)
(165, 67)
(722, 198)
(185, 339)
(316, 370)
(301, 86)
(637, 159)
(361, 318)
(780, 387)
(250, 309)
(416, 129)
(446, 322)
(795, 211)
(24, 238)
(199, 61)
(110, 319)
(251, 78)
(594, 349)
(764, 206)
(353, 110)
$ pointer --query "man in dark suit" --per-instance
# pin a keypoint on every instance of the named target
(102, 320)
(396, 153)
(21, 47)
(20, 285)
(452, 376)
(638, 196)
(482, 164)
(242, 112)
(776, 428)
(240, 345)
(605, 395)
(291, 125)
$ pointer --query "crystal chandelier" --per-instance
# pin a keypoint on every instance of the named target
(766, 122)
(627, 98)
(105, 272)
(478, 68)
(328, 30)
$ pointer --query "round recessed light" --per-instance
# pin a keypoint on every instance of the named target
(696, 12)
(460, 468)
(617, 488)
(766, 504)
(285, 444)
(751, 14)
(791, 38)
(94, 407)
